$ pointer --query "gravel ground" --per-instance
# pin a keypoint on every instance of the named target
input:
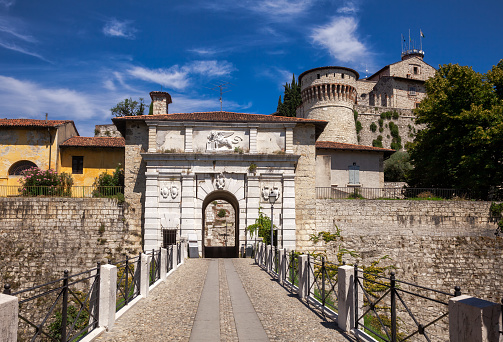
(169, 311)
(283, 315)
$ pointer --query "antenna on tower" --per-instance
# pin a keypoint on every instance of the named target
(221, 87)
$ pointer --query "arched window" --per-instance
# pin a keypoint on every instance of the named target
(18, 167)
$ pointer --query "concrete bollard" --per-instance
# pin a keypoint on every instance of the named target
(175, 257)
(108, 296)
(303, 286)
(164, 263)
(281, 266)
(268, 258)
(473, 320)
(346, 294)
(144, 275)
(9, 309)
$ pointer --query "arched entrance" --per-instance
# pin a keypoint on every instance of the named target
(220, 231)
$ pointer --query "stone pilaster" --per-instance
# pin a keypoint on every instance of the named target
(253, 140)
(152, 236)
(188, 195)
(289, 140)
(188, 139)
(289, 224)
(152, 134)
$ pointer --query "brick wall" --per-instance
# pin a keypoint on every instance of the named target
(437, 244)
(41, 237)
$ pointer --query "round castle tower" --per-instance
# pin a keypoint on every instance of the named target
(329, 93)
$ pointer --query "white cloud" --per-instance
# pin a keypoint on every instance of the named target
(7, 3)
(173, 77)
(177, 77)
(204, 51)
(121, 29)
(28, 99)
(210, 68)
(340, 39)
(16, 48)
(349, 7)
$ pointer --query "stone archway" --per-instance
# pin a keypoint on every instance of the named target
(221, 251)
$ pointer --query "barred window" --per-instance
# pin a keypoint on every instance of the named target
(77, 165)
(18, 167)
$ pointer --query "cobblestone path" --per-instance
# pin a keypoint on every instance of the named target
(267, 313)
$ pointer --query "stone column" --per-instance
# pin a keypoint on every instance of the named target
(289, 224)
(282, 266)
(152, 139)
(303, 286)
(144, 275)
(188, 194)
(473, 320)
(108, 296)
(188, 139)
(346, 294)
(9, 320)
(164, 263)
(152, 235)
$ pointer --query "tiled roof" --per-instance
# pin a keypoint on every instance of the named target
(351, 147)
(94, 142)
(32, 123)
(218, 117)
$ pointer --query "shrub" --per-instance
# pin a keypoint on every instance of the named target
(380, 121)
(358, 127)
(373, 127)
(395, 115)
(397, 167)
(111, 186)
(221, 213)
(37, 182)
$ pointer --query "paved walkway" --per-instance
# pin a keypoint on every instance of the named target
(222, 300)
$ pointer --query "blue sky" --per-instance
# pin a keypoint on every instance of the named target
(76, 60)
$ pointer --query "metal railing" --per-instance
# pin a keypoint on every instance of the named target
(62, 310)
(324, 285)
(155, 266)
(389, 193)
(396, 310)
(170, 261)
(275, 260)
(56, 191)
(178, 253)
(292, 270)
(128, 281)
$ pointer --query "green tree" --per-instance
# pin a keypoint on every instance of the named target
(129, 107)
(291, 99)
(397, 167)
(263, 226)
(461, 144)
(151, 108)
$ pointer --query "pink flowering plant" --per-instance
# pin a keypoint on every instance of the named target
(37, 182)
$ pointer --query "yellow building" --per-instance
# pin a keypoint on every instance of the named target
(85, 158)
(25, 143)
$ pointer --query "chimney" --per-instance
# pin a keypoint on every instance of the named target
(160, 100)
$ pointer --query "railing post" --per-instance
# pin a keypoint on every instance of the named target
(126, 299)
(268, 258)
(175, 257)
(9, 310)
(164, 263)
(310, 277)
(323, 281)
(302, 276)
(281, 265)
(393, 306)
(473, 320)
(355, 292)
(144, 275)
(108, 296)
(64, 310)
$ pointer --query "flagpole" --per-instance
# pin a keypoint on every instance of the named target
(421, 38)
(409, 40)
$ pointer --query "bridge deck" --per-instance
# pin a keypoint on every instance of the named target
(222, 300)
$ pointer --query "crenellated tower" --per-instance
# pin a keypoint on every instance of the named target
(329, 93)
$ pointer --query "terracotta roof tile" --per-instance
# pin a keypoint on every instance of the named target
(94, 142)
(351, 147)
(32, 123)
(218, 116)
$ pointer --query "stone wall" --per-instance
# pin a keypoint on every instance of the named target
(437, 244)
(41, 237)
(407, 128)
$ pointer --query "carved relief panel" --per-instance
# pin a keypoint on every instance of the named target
(216, 140)
(169, 190)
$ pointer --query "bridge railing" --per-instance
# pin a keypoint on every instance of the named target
(390, 193)
(84, 304)
(376, 307)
